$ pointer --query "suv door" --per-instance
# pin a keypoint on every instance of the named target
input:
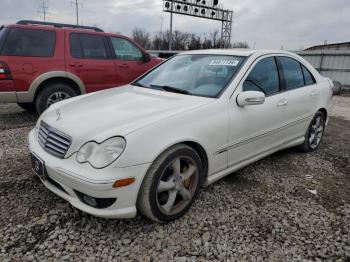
(130, 61)
(88, 58)
(257, 129)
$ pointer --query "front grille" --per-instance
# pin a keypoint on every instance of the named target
(53, 141)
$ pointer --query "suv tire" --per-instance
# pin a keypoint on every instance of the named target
(170, 187)
(51, 94)
(28, 106)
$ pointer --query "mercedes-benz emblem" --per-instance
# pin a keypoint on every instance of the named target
(58, 113)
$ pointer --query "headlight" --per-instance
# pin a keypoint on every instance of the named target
(101, 155)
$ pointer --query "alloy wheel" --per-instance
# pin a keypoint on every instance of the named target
(177, 185)
(316, 132)
(56, 97)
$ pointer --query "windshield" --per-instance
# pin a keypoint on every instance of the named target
(200, 75)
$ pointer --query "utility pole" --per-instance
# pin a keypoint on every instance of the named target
(43, 9)
(77, 4)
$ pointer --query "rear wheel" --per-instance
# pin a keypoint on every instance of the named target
(171, 184)
(314, 134)
(51, 94)
(27, 106)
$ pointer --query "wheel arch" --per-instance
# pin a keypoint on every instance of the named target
(65, 80)
(196, 147)
(324, 112)
(40, 81)
(201, 152)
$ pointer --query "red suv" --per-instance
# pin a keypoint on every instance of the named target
(42, 63)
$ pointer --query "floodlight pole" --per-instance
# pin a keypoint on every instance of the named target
(171, 28)
(207, 9)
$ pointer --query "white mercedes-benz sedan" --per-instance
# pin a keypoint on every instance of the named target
(149, 146)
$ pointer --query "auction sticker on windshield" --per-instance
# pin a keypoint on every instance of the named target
(222, 62)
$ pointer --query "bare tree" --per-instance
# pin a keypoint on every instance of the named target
(181, 40)
(142, 37)
(240, 45)
(195, 42)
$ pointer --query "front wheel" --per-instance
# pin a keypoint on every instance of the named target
(314, 134)
(51, 94)
(171, 184)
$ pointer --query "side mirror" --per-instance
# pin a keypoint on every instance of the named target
(250, 98)
(146, 57)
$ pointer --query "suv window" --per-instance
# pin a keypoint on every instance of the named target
(88, 46)
(29, 42)
(125, 50)
(264, 77)
(293, 74)
(308, 78)
(2, 34)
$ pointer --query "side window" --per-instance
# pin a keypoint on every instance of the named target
(308, 78)
(264, 77)
(293, 74)
(29, 42)
(125, 50)
(88, 46)
(75, 47)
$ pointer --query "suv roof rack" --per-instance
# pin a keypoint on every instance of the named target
(32, 22)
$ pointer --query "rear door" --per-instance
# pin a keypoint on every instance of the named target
(301, 94)
(129, 60)
(88, 57)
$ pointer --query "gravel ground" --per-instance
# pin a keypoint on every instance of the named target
(290, 206)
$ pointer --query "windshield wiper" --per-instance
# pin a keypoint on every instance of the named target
(172, 89)
(138, 84)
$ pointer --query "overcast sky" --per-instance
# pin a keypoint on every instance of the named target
(268, 24)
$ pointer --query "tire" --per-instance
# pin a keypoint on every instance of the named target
(51, 94)
(314, 134)
(28, 107)
(163, 185)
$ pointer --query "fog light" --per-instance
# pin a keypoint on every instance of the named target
(123, 182)
(90, 201)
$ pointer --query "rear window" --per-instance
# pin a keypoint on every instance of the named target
(2, 32)
(293, 74)
(309, 79)
(88, 46)
(29, 42)
(2, 36)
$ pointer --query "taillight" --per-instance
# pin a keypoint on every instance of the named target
(5, 73)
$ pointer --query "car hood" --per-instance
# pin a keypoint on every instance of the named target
(116, 112)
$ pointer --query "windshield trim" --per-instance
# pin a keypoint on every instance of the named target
(226, 85)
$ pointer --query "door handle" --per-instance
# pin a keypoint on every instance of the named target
(282, 102)
(314, 93)
(123, 66)
(75, 65)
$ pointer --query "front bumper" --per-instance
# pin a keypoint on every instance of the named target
(73, 177)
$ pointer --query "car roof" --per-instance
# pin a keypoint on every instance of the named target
(70, 29)
(236, 52)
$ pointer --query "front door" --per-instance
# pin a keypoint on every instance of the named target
(257, 129)
(89, 59)
(129, 60)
